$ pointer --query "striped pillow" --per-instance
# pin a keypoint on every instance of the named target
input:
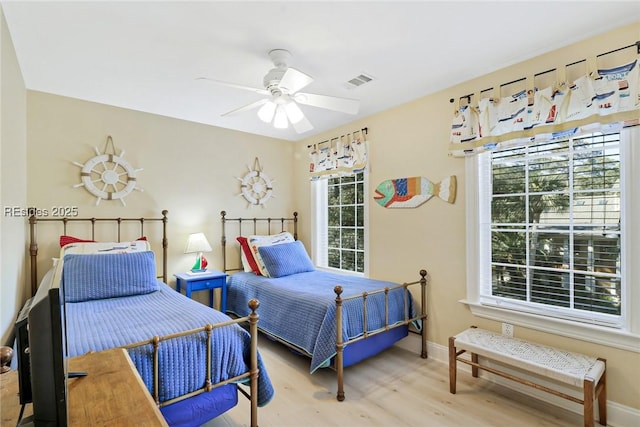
(65, 240)
(248, 260)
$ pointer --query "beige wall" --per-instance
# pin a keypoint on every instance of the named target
(189, 169)
(13, 182)
(412, 140)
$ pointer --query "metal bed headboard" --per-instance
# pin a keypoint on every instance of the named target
(33, 237)
(256, 226)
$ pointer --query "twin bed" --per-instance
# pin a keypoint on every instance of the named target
(337, 320)
(193, 359)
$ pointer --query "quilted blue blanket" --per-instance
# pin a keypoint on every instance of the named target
(300, 308)
(101, 324)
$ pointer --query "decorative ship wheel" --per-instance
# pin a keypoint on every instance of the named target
(108, 176)
(257, 187)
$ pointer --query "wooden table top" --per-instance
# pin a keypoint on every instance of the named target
(111, 394)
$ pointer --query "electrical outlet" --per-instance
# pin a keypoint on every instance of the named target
(507, 329)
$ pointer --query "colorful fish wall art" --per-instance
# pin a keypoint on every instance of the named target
(413, 192)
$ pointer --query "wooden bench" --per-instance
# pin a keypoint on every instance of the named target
(583, 372)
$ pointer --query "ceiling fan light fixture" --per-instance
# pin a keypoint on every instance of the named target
(280, 120)
(282, 86)
(266, 112)
(294, 112)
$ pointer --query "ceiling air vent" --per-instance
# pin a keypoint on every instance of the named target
(358, 81)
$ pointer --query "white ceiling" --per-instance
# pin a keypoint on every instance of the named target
(147, 55)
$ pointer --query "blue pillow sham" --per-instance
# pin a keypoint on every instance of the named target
(99, 276)
(286, 259)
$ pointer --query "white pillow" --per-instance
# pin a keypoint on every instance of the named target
(275, 239)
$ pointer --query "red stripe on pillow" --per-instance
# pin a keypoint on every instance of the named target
(65, 240)
(248, 253)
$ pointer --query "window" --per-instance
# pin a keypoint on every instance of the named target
(339, 231)
(551, 241)
(555, 228)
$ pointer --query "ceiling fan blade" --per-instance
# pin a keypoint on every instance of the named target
(294, 80)
(246, 107)
(344, 105)
(237, 86)
(302, 126)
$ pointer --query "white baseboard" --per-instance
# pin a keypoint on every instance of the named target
(617, 415)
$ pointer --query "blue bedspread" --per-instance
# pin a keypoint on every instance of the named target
(300, 308)
(113, 322)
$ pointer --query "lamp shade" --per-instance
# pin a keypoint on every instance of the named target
(197, 242)
(267, 111)
(280, 121)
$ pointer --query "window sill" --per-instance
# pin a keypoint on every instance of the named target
(623, 340)
(339, 271)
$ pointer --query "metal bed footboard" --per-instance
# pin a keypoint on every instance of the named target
(341, 342)
(252, 374)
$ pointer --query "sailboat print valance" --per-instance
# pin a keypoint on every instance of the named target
(602, 100)
(339, 156)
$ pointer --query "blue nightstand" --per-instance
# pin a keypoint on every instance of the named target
(209, 280)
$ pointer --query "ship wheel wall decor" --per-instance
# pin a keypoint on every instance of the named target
(108, 176)
(256, 187)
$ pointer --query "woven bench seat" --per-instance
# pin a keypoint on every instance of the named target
(581, 371)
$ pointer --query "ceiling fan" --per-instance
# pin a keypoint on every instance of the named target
(282, 85)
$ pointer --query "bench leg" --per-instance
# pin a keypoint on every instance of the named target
(474, 368)
(601, 392)
(452, 365)
(589, 397)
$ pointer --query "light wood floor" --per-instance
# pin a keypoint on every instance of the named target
(396, 388)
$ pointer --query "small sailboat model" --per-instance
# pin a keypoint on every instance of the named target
(200, 265)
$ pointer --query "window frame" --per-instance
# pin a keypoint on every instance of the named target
(628, 336)
(319, 225)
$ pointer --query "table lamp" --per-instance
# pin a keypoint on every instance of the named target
(197, 243)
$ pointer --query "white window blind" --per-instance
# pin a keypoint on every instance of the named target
(550, 229)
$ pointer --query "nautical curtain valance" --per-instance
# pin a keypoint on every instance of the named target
(339, 156)
(602, 100)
